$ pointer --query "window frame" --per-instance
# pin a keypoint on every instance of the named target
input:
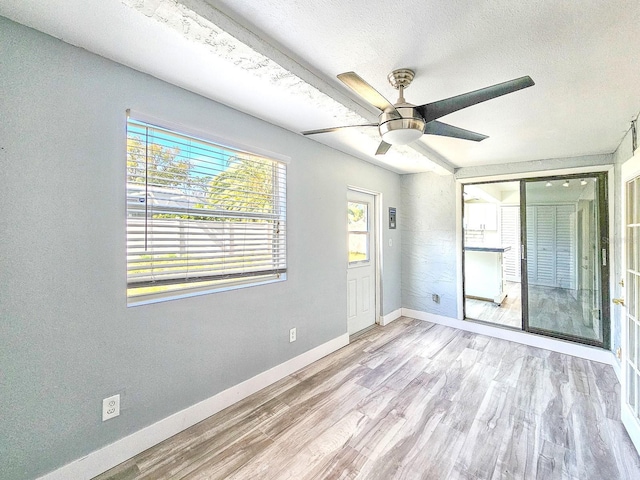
(276, 241)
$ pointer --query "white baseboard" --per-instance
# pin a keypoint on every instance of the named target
(569, 348)
(390, 317)
(111, 455)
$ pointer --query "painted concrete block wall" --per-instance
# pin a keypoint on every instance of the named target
(428, 223)
(67, 338)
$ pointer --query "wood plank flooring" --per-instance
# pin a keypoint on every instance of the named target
(412, 400)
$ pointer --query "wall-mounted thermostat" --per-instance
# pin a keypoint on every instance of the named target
(392, 217)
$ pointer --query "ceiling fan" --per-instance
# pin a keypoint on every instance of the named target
(404, 123)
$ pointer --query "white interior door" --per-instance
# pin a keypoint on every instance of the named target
(361, 271)
(630, 391)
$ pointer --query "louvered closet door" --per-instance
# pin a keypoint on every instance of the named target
(551, 245)
(565, 246)
(510, 236)
(532, 247)
(544, 231)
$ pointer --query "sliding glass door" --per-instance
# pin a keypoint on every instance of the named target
(565, 257)
(535, 256)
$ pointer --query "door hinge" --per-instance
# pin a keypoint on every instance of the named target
(604, 257)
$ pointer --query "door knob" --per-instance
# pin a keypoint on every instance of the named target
(618, 301)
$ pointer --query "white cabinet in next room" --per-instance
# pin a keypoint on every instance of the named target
(481, 216)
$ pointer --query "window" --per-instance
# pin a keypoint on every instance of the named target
(358, 228)
(200, 217)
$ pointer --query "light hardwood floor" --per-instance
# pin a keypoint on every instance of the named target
(413, 400)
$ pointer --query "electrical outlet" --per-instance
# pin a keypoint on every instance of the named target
(110, 407)
(292, 335)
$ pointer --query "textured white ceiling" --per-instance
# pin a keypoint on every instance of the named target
(584, 57)
(277, 59)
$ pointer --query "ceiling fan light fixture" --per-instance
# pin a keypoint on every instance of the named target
(401, 131)
(401, 136)
(566, 183)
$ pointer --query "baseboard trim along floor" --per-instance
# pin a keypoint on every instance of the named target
(111, 455)
(390, 317)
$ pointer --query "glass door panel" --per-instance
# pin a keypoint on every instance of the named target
(630, 300)
(491, 220)
(564, 257)
(632, 280)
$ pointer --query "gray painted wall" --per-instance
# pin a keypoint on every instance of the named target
(67, 339)
(428, 222)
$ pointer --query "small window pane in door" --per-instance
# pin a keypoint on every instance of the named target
(631, 388)
(358, 247)
(632, 344)
(636, 195)
(637, 397)
(358, 228)
(358, 217)
(632, 295)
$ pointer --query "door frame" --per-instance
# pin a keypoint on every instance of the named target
(607, 230)
(630, 422)
(377, 237)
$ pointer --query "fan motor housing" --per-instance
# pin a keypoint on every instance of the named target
(400, 131)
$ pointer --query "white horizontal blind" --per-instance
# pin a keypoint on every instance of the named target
(200, 215)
